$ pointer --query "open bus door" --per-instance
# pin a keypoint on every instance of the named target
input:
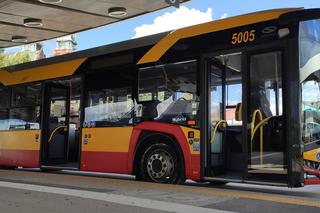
(56, 123)
(222, 153)
(254, 150)
(60, 148)
(267, 159)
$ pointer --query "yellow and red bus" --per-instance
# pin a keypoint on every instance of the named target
(233, 100)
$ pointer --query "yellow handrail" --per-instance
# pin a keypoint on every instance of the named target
(259, 125)
(54, 132)
(221, 122)
(254, 129)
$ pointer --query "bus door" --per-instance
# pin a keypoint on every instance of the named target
(215, 145)
(224, 158)
(266, 144)
(56, 123)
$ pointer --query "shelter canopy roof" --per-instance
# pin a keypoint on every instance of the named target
(66, 17)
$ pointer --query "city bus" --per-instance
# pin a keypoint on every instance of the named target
(232, 100)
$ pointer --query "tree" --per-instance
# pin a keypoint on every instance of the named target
(13, 59)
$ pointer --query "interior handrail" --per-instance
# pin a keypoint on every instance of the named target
(221, 122)
(55, 130)
(254, 129)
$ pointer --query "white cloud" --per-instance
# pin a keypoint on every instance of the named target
(181, 17)
(225, 15)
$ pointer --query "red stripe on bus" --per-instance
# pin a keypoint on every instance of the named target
(312, 172)
(23, 158)
(195, 167)
(110, 162)
(311, 181)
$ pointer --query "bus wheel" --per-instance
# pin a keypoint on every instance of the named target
(161, 163)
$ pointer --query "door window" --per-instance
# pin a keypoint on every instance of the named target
(216, 114)
(225, 94)
(266, 138)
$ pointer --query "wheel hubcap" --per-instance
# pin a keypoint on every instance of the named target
(160, 166)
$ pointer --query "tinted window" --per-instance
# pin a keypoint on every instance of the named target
(109, 107)
(266, 84)
(168, 93)
(4, 104)
(309, 46)
(4, 97)
(27, 95)
(4, 115)
(24, 118)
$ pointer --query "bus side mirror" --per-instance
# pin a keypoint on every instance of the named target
(238, 112)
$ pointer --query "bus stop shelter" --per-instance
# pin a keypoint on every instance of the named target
(28, 21)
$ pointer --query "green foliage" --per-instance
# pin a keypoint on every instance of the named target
(13, 59)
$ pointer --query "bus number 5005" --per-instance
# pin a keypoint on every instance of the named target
(243, 37)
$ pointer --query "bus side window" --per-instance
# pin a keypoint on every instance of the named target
(168, 93)
(4, 105)
(109, 107)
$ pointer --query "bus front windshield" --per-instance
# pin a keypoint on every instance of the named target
(309, 52)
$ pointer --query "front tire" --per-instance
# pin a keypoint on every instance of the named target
(161, 163)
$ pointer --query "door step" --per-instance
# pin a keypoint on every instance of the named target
(240, 180)
(59, 167)
(223, 179)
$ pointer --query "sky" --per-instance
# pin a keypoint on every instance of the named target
(193, 12)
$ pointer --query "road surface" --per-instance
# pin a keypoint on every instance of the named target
(25, 191)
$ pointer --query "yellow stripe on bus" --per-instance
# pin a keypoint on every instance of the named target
(20, 140)
(40, 73)
(312, 155)
(158, 50)
(108, 139)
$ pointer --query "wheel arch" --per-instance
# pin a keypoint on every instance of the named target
(147, 138)
(174, 132)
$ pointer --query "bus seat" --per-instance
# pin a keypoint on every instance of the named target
(263, 103)
(238, 112)
(54, 120)
(149, 111)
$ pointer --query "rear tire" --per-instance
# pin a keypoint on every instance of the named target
(161, 163)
